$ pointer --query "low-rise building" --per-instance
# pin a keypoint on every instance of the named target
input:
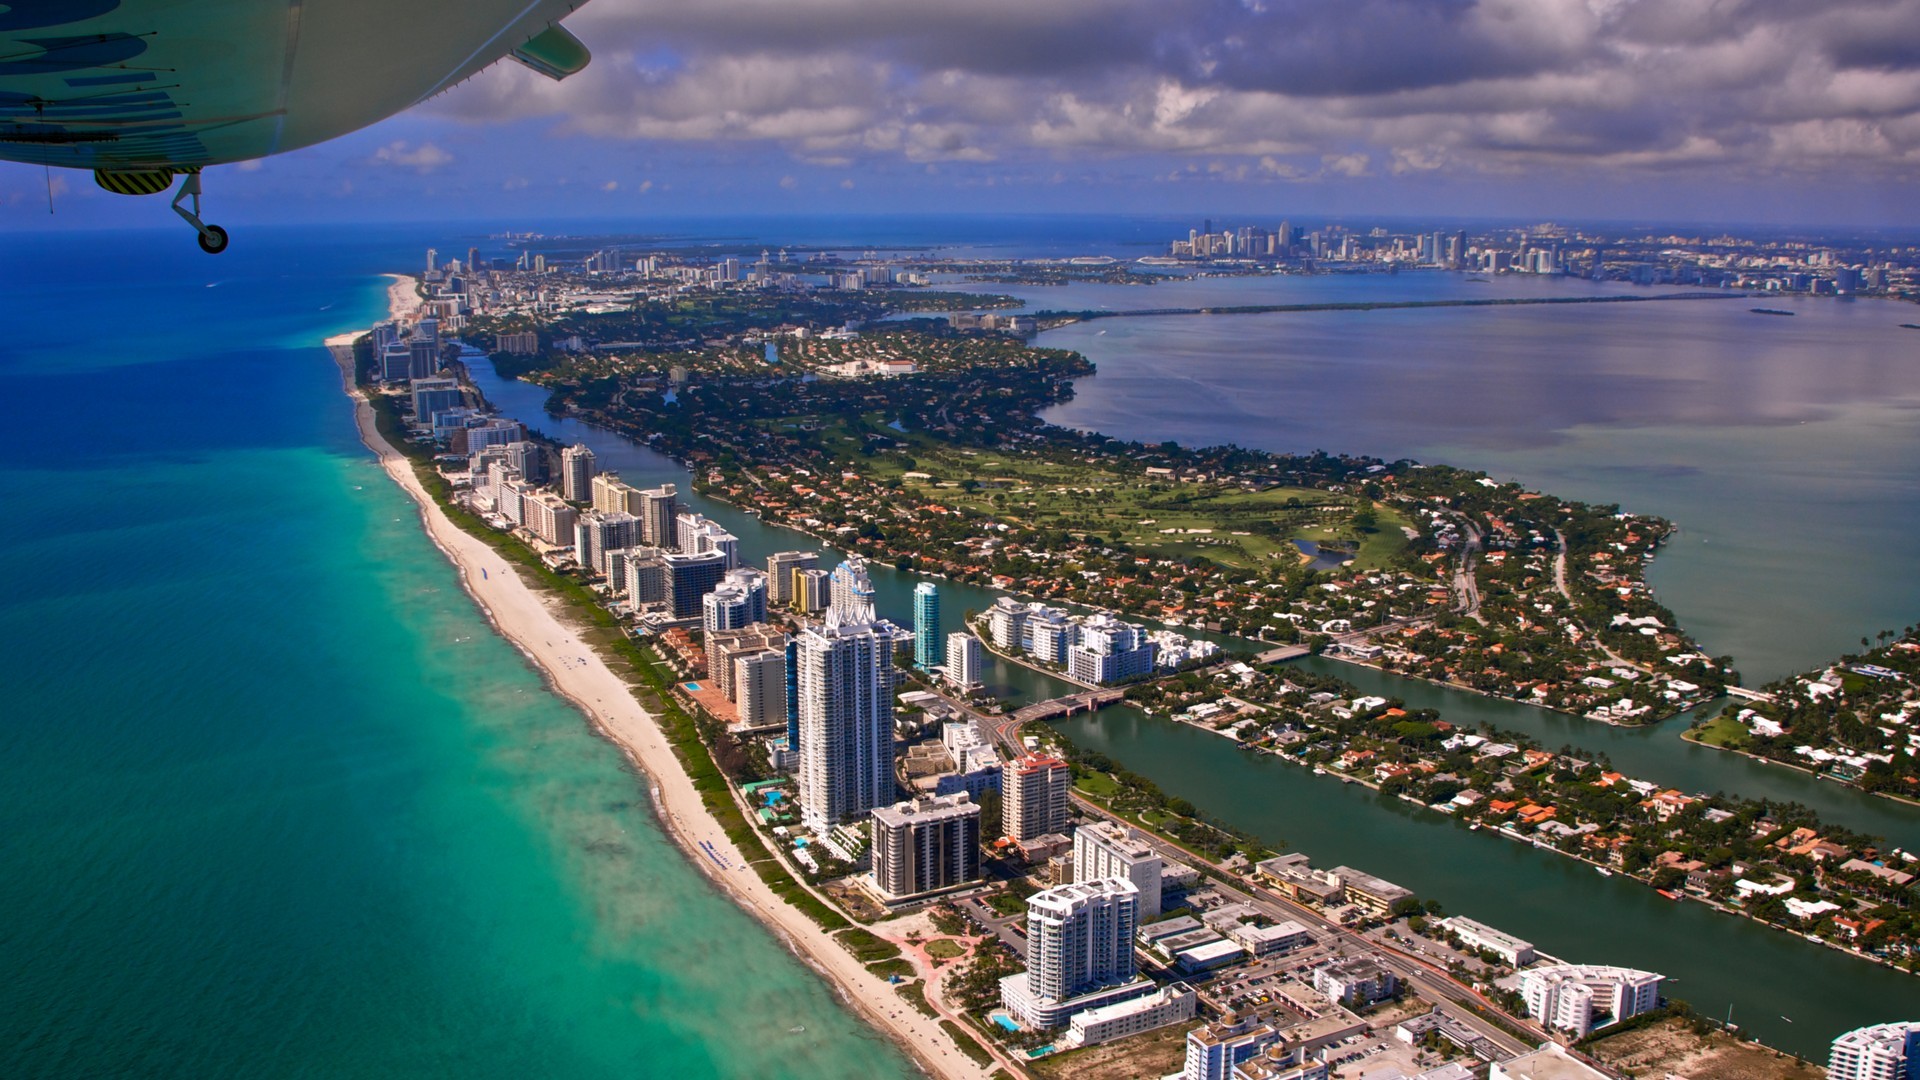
(1356, 982)
(1478, 935)
(1172, 1004)
(1376, 895)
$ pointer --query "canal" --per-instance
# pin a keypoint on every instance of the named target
(1792, 993)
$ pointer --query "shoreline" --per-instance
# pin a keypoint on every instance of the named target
(1890, 796)
(537, 626)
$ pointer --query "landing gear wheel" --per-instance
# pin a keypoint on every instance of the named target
(214, 240)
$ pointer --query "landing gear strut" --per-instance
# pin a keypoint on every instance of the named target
(213, 238)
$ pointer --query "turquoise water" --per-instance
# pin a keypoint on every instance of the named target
(276, 801)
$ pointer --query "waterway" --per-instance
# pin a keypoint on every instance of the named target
(1564, 906)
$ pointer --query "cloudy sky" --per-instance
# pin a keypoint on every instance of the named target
(1733, 110)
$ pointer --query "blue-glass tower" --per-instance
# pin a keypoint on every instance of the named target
(926, 626)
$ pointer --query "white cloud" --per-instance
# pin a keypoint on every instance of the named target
(422, 159)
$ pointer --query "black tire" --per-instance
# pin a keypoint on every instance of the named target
(214, 240)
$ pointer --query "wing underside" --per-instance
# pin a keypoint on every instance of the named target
(126, 85)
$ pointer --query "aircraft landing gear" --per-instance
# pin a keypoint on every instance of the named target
(213, 238)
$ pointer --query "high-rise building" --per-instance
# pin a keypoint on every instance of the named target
(963, 660)
(1880, 1052)
(760, 688)
(610, 494)
(1034, 792)
(658, 510)
(780, 568)
(924, 846)
(851, 590)
(432, 396)
(739, 600)
(423, 357)
(697, 535)
(1007, 622)
(1106, 849)
(530, 459)
(725, 608)
(598, 535)
(1566, 997)
(548, 517)
(1079, 952)
(845, 686)
(643, 575)
(1109, 651)
(926, 626)
(576, 473)
(725, 647)
(812, 590)
(690, 577)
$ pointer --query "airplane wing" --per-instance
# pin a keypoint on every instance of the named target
(159, 87)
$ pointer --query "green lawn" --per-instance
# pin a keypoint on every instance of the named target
(1723, 731)
(1097, 785)
(946, 950)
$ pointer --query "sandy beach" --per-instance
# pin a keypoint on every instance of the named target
(540, 627)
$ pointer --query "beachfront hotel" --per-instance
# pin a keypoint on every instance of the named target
(1079, 953)
(925, 846)
(844, 685)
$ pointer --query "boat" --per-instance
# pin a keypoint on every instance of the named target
(1318, 771)
(1475, 827)
(1772, 311)
(1670, 894)
(1604, 872)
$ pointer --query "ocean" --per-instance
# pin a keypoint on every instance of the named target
(276, 800)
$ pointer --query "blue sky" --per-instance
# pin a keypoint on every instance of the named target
(1787, 111)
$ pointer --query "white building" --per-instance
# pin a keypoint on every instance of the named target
(1478, 935)
(1079, 953)
(1355, 982)
(1109, 850)
(846, 679)
(1880, 1052)
(925, 846)
(576, 473)
(963, 660)
(1033, 791)
(1572, 997)
(1172, 1004)
(1213, 1050)
(1007, 622)
(1109, 651)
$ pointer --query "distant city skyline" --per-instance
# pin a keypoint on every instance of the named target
(1745, 112)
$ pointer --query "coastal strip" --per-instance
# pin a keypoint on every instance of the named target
(538, 627)
(1061, 318)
